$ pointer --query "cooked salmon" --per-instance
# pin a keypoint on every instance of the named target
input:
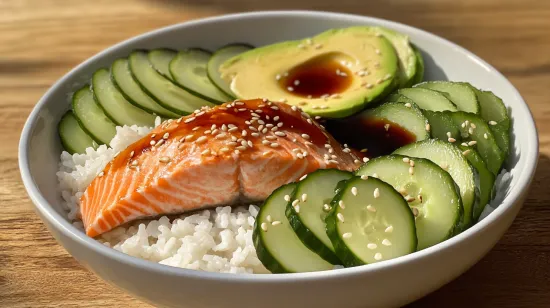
(233, 153)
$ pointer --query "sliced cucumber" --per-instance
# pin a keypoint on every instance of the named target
(474, 128)
(428, 99)
(73, 137)
(450, 158)
(113, 103)
(399, 115)
(217, 59)
(277, 246)
(399, 98)
(160, 60)
(494, 111)
(161, 89)
(460, 94)
(122, 78)
(370, 222)
(485, 180)
(307, 215)
(419, 75)
(188, 69)
(441, 124)
(91, 117)
(439, 209)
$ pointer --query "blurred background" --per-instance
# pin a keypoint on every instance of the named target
(40, 40)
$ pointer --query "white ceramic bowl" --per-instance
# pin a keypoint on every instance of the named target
(386, 284)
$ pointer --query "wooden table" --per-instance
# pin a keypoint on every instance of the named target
(41, 40)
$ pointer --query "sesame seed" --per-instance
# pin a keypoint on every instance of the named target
(205, 152)
(445, 166)
(364, 150)
(305, 136)
(165, 159)
(290, 89)
(389, 229)
(415, 212)
(132, 154)
(470, 130)
(326, 207)
(472, 143)
(266, 153)
(365, 159)
(372, 246)
(237, 152)
(369, 86)
(485, 136)
(233, 129)
(268, 218)
(277, 77)
(341, 204)
(201, 139)
(297, 209)
(409, 198)
(179, 120)
(375, 175)
(153, 135)
(463, 125)
(340, 217)
(411, 170)
(276, 222)
(206, 132)
(309, 121)
(356, 161)
(346, 235)
(427, 127)
(241, 148)
(464, 144)
(354, 190)
(406, 160)
(386, 127)
(101, 174)
(304, 197)
(280, 134)
(376, 193)
(224, 150)
(371, 208)
(364, 177)
(377, 256)
(295, 202)
(449, 134)
(466, 152)
(451, 140)
(492, 123)
(189, 120)
(408, 105)
(386, 242)
(274, 144)
(303, 177)
(134, 163)
(264, 226)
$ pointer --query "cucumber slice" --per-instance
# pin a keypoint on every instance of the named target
(123, 80)
(419, 75)
(370, 222)
(439, 210)
(450, 158)
(474, 128)
(160, 60)
(277, 246)
(494, 111)
(307, 215)
(188, 69)
(113, 103)
(161, 89)
(217, 59)
(73, 137)
(428, 99)
(398, 115)
(441, 124)
(399, 98)
(91, 117)
(460, 94)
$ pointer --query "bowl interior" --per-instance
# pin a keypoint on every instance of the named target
(40, 145)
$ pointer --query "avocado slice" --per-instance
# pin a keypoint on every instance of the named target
(334, 74)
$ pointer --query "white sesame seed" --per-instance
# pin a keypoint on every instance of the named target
(364, 177)
(303, 177)
(295, 202)
(386, 127)
(470, 130)
(464, 144)
(134, 163)
(206, 132)
(201, 139)
(280, 134)
(449, 134)
(415, 212)
(189, 120)
(485, 136)
(406, 160)
(493, 123)
(354, 190)
(472, 143)
(101, 174)
(179, 120)
(444, 166)
(205, 152)
(408, 105)
(375, 175)
(132, 154)
(340, 217)
(268, 218)
(264, 226)
(466, 152)
(428, 127)
(372, 246)
(377, 256)
(153, 135)
(346, 235)
(376, 193)
(274, 144)
(304, 197)
(165, 159)
(276, 223)
(411, 170)
(389, 229)
(244, 133)
(365, 159)
(341, 204)
(451, 140)
(297, 209)
(290, 89)
(266, 153)
(371, 208)
(369, 86)
(409, 198)
(277, 77)
(326, 207)
(241, 148)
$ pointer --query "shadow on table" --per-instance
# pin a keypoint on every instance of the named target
(516, 272)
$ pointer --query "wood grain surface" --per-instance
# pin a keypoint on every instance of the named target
(41, 40)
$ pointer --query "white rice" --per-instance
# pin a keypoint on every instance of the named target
(216, 240)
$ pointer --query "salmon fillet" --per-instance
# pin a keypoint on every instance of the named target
(236, 152)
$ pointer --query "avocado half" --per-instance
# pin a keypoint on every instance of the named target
(366, 62)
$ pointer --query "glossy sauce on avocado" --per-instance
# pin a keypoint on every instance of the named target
(379, 137)
(321, 75)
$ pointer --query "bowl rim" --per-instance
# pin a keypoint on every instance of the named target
(530, 151)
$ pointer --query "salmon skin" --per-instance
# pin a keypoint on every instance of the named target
(236, 152)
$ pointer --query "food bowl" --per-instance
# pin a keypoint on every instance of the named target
(386, 284)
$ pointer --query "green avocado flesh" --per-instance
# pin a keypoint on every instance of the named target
(333, 74)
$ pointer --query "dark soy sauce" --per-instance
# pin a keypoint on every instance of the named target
(316, 77)
(378, 137)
